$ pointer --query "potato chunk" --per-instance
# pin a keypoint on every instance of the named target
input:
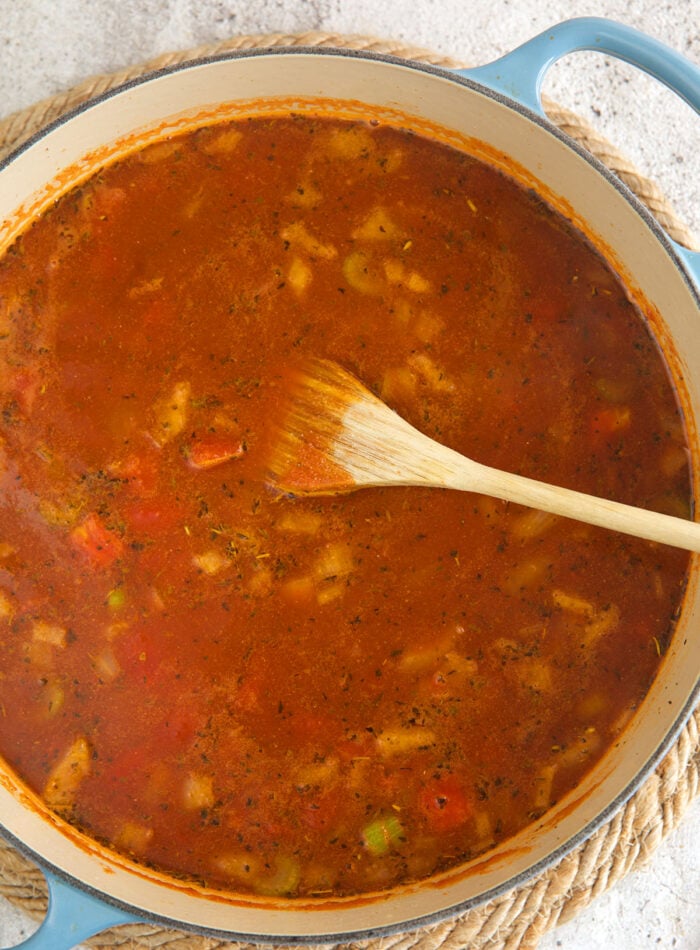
(364, 273)
(299, 275)
(67, 774)
(171, 413)
(378, 226)
(133, 837)
(543, 787)
(49, 633)
(198, 791)
(106, 665)
(400, 741)
(6, 608)
(351, 143)
(433, 375)
(300, 522)
(210, 562)
(298, 235)
(334, 561)
(298, 590)
(305, 195)
(595, 622)
(224, 143)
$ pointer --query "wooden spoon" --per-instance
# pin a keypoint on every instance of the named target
(336, 436)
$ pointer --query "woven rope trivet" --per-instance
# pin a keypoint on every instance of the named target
(516, 920)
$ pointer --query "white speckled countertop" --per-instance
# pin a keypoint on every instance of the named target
(49, 45)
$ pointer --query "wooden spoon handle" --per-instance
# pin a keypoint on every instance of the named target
(456, 471)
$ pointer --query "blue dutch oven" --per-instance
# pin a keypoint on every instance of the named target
(496, 112)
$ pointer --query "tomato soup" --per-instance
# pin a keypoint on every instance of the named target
(309, 696)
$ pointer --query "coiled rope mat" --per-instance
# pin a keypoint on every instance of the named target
(516, 920)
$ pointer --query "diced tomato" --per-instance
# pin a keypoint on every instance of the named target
(610, 421)
(143, 655)
(445, 803)
(439, 682)
(108, 199)
(177, 729)
(156, 313)
(244, 811)
(247, 696)
(132, 761)
(106, 265)
(106, 203)
(100, 545)
(26, 389)
(319, 811)
(139, 473)
(308, 726)
(152, 515)
(206, 451)
(174, 732)
(548, 310)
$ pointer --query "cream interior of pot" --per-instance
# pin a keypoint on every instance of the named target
(429, 102)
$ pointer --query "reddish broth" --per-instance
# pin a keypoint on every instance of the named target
(318, 696)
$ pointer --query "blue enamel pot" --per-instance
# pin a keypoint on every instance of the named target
(495, 112)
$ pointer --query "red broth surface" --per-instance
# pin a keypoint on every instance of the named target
(335, 695)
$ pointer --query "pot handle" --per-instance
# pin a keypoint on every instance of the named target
(73, 915)
(692, 262)
(519, 74)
